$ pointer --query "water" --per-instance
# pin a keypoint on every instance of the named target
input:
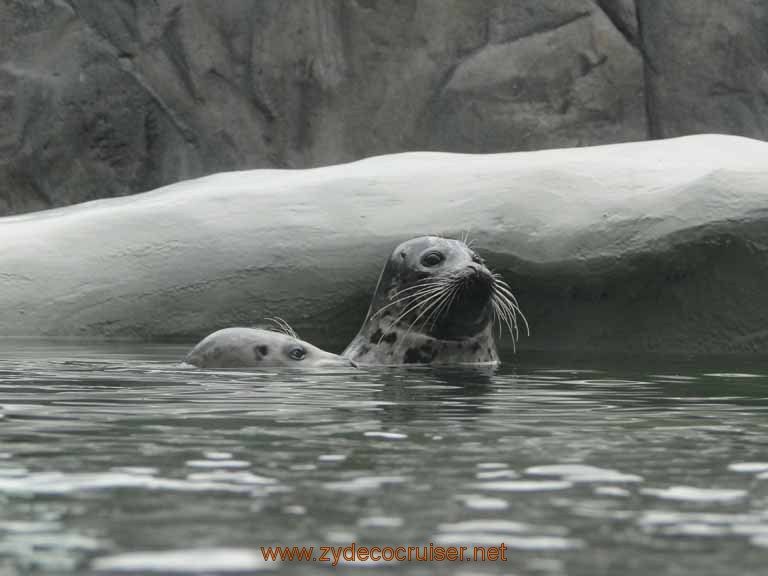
(114, 460)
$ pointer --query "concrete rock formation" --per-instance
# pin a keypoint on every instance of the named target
(654, 246)
(106, 98)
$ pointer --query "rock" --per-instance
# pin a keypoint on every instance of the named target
(705, 66)
(654, 246)
(102, 99)
(554, 75)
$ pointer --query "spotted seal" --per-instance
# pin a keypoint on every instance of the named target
(436, 302)
(271, 346)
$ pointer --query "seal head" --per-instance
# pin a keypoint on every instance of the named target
(261, 348)
(436, 303)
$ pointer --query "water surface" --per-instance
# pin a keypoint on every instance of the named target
(116, 460)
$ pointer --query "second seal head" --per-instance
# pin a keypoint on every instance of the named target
(436, 302)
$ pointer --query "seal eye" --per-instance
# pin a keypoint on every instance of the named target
(431, 259)
(297, 353)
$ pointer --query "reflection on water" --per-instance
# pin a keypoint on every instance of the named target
(117, 460)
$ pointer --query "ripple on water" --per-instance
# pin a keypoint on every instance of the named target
(46, 546)
(480, 502)
(612, 491)
(217, 455)
(697, 524)
(523, 485)
(748, 467)
(193, 561)
(61, 483)
(693, 494)
(490, 465)
(582, 473)
(218, 463)
(497, 475)
(364, 483)
(514, 535)
(386, 435)
(733, 375)
(331, 457)
(380, 522)
(235, 476)
(229, 461)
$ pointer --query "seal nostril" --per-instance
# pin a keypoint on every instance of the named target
(478, 272)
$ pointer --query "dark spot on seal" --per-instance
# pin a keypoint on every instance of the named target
(260, 351)
(461, 345)
(422, 355)
(412, 356)
(490, 353)
(475, 346)
(264, 350)
(390, 338)
(427, 352)
(376, 336)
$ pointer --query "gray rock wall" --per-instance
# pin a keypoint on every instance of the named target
(104, 98)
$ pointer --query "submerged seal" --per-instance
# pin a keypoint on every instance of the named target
(436, 303)
(260, 347)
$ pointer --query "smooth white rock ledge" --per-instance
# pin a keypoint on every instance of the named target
(649, 246)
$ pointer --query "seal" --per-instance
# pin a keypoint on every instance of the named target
(261, 348)
(436, 302)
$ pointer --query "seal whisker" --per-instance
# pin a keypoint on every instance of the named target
(502, 284)
(419, 289)
(508, 308)
(511, 311)
(283, 326)
(497, 317)
(435, 303)
(510, 301)
(435, 300)
(502, 287)
(425, 292)
(414, 306)
(506, 292)
(437, 282)
(504, 321)
(445, 306)
(435, 314)
(511, 321)
(437, 310)
(516, 311)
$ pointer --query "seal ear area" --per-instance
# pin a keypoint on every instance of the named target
(260, 352)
